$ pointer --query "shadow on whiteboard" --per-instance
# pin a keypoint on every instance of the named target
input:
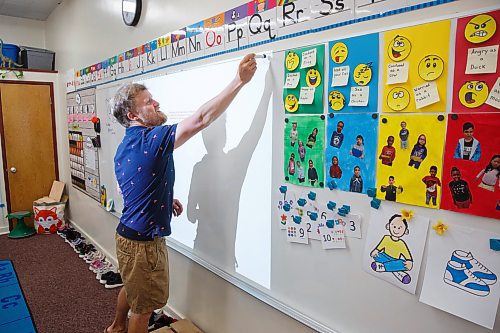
(223, 175)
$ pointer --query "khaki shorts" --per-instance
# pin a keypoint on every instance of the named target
(144, 269)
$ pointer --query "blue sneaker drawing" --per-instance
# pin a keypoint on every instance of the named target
(476, 268)
(457, 275)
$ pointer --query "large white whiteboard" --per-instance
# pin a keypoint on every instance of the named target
(223, 175)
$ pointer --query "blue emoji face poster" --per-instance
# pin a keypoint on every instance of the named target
(351, 143)
(353, 77)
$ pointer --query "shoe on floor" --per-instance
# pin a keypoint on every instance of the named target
(163, 320)
(114, 281)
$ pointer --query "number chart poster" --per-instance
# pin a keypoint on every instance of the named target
(350, 153)
(304, 150)
(304, 80)
(477, 63)
(472, 165)
(461, 275)
(416, 68)
(353, 77)
(394, 246)
(410, 152)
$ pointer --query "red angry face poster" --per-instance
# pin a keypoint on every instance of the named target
(475, 86)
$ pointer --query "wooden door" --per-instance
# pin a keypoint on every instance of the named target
(29, 151)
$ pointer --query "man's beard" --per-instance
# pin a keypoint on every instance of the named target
(157, 120)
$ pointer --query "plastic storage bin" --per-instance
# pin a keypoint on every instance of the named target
(11, 51)
(33, 58)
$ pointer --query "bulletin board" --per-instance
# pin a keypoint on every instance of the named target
(238, 171)
(84, 160)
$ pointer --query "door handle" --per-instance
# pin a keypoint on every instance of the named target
(13, 169)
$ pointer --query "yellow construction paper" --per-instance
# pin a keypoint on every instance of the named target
(410, 178)
(426, 39)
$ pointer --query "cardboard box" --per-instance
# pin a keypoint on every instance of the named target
(184, 326)
(181, 326)
(163, 330)
(49, 210)
(55, 195)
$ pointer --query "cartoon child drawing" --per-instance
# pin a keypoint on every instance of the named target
(391, 190)
(460, 192)
(301, 150)
(419, 152)
(468, 147)
(294, 134)
(300, 173)
(311, 139)
(356, 183)
(392, 253)
(388, 153)
(335, 170)
(337, 136)
(431, 183)
(312, 174)
(358, 149)
(490, 174)
(404, 133)
(291, 164)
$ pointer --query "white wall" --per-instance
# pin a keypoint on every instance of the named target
(21, 31)
(85, 32)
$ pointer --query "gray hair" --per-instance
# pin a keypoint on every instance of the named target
(124, 102)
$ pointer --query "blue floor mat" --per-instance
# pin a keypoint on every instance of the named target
(15, 316)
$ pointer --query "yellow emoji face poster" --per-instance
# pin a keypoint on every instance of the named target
(410, 50)
(410, 154)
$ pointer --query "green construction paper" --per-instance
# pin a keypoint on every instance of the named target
(317, 106)
(305, 126)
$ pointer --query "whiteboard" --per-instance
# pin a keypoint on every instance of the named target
(223, 175)
(111, 135)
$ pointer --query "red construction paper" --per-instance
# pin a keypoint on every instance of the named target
(460, 78)
(486, 126)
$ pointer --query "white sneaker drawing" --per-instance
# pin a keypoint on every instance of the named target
(457, 275)
(473, 265)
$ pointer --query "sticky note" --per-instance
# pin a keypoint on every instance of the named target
(340, 76)
(359, 96)
(397, 72)
(306, 95)
(482, 60)
(292, 80)
(308, 58)
(426, 94)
